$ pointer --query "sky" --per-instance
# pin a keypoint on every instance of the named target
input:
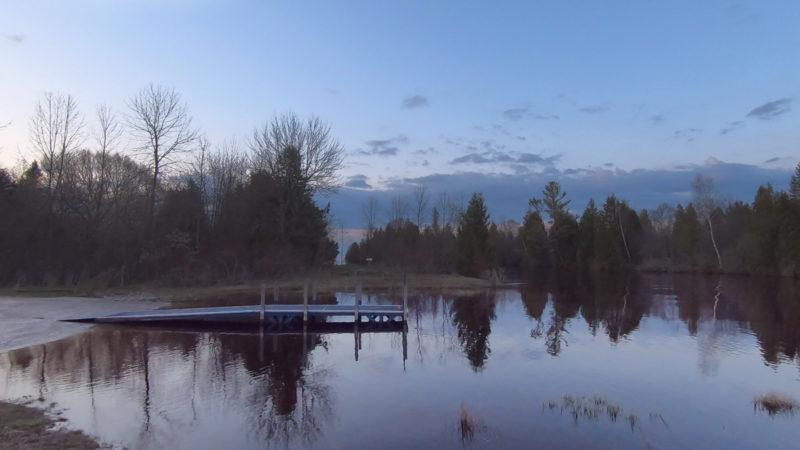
(624, 97)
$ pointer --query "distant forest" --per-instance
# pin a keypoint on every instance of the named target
(708, 234)
(142, 196)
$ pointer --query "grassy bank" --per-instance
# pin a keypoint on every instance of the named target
(339, 278)
(23, 427)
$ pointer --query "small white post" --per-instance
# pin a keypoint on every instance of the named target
(263, 302)
(305, 301)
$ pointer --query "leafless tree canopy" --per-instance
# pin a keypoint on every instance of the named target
(420, 204)
(399, 211)
(370, 212)
(226, 168)
(321, 156)
(56, 129)
(160, 123)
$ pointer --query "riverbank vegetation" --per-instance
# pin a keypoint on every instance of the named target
(24, 427)
(707, 234)
(141, 196)
(145, 197)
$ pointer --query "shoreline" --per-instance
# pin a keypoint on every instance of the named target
(30, 427)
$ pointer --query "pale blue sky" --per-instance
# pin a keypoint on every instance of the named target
(515, 91)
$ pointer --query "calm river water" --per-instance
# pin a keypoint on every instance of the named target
(667, 362)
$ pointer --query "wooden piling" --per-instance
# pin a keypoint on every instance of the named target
(263, 303)
(357, 317)
(305, 302)
(405, 302)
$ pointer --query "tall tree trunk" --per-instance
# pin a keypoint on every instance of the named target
(714, 242)
(622, 233)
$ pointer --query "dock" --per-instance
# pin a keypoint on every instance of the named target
(254, 314)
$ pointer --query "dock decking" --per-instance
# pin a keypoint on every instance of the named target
(273, 314)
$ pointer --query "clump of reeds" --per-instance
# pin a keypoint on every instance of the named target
(588, 408)
(467, 423)
(774, 403)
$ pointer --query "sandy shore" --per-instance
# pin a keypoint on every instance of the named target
(26, 321)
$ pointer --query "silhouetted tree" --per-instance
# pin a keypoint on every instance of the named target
(473, 238)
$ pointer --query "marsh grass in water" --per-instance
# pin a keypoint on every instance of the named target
(774, 403)
(468, 424)
(593, 408)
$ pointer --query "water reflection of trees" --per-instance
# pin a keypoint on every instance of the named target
(610, 303)
(713, 306)
(472, 317)
(769, 307)
(162, 375)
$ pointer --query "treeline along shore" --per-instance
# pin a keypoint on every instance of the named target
(707, 234)
(114, 199)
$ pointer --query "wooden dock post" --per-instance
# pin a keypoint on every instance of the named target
(357, 317)
(405, 302)
(275, 293)
(263, 303)
(305, 302)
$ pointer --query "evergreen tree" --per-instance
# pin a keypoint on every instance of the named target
(686, 234)
(473, 238)
(794, 184)
(563, 237)
(534, 240)
(587, 229)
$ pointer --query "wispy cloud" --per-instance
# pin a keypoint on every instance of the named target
(15, 38)
(384, 147)
(686, 134)
(515, 159)
(526, 113)
(358, 181)
(657, 119)
(730, 127)
(596, 109)
(771, 110)
(415, 101)
(425, 151)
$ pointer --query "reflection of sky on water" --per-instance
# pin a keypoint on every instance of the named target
(651, 344)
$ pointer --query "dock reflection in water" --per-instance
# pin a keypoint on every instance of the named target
(692, 352)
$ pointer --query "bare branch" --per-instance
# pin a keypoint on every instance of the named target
(321, 157)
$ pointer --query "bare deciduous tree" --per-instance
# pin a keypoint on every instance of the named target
(227, 167)
(370, 212)
(321, 156)
(107, 137)
(420, 204)
(56, 129)
(161, 124)
(706, 203)
(399, 211)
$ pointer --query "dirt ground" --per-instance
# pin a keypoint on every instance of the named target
(27, 320)
(24, 427)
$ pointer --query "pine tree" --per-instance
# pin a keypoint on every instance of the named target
(794, 184)
(587, 229)
(473, 238)
(686, 234)
(534, 240)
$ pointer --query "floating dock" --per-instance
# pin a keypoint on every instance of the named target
(254, 314)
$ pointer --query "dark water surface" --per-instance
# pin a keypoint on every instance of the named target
(644, 362)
